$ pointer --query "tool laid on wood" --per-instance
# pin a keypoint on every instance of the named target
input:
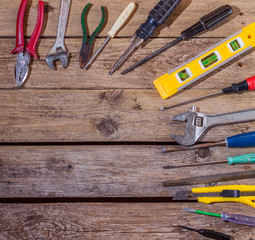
(157, 16)
(226, 217)
(222, 177)
(115, 28)
(197, 124)
(87, 42)
(206, 62)
(24, 55)
(243, 159)
(240, 140)
(208, 233)
(246, 85)
(59, 52)
(230, 193)
(207, 22)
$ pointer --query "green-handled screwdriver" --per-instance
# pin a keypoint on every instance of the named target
(243, 159)
(205, 23)
(235, 218)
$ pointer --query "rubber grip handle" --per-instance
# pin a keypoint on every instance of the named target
(19, 28)
(157, 16)
(241, 140)
(36, 33)
(122, 19)
(214, 235)
(247, 158)
(208, 21)
(251, 83)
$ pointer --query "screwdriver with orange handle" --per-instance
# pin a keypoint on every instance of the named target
(246, 85)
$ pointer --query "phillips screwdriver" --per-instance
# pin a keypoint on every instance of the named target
(240, 140)
(243, 159)
(157, 16)
(226, 217)
(246, 85)
(115, 28)
(208, 233)
(205, 23)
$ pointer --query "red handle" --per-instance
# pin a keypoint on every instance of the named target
(251, 83)
(36, 33)
(19, 28)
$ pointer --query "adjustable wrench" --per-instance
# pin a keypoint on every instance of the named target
(59, 52)
(198, 123)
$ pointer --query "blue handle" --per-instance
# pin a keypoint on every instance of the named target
(241, 140)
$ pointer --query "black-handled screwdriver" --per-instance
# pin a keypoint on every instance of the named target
(205, 23)
(246, 85)
(208, 233)
(157, 16)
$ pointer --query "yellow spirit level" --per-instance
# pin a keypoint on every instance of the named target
(206, 62)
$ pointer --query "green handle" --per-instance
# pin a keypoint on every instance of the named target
(209, 213)
(248, 158)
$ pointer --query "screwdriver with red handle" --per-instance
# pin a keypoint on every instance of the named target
(246, 85)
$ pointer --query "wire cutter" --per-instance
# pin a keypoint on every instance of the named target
(231, 193)
(24, 55)
(88, 42)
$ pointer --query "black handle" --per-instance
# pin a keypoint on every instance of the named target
(208, 21)
(157, 16)
(214, 235)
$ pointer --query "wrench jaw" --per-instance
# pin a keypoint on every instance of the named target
(195, 129)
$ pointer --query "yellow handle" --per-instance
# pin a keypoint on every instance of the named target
(121, 19)
(243, 188)
(248, 200)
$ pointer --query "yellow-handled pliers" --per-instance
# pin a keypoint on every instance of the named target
(231, 193)
(88, 42)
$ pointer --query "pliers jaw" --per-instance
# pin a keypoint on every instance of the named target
(22, 68)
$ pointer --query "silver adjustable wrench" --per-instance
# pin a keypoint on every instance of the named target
(198, 123)
(59, 52)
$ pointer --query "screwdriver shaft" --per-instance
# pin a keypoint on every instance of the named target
(135, 44)
(154, 54)
(191, 101)
(198, 146)
(195, 165)
(98, 51)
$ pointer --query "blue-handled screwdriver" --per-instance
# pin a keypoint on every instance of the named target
(240, 140)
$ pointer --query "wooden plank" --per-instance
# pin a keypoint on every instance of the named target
(97, 77)
(186, 14)
(106, 115)
(115, 221)
(105, 171)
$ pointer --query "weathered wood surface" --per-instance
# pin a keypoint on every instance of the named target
(115, 221)
(97, 76)
(188, 12)
(106, 115)
(104, 171)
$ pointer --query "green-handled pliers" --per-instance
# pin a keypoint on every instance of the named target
(88, 42)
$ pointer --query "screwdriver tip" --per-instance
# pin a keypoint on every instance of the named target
(112, 71)
(189, 210)
(163, 150)
(162, 109)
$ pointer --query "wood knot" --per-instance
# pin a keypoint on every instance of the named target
(106, 126)
(240, 64)
(203, 152)
(48, 8)
(111, 96)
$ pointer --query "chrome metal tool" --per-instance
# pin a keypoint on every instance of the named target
(198, 123)
(59, 52)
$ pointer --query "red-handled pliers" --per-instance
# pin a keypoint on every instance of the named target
(24, 55)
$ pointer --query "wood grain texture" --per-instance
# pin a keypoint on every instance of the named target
(106, 115)
(187, 13)
(115, 221)
(41, 76)
(105, 171)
